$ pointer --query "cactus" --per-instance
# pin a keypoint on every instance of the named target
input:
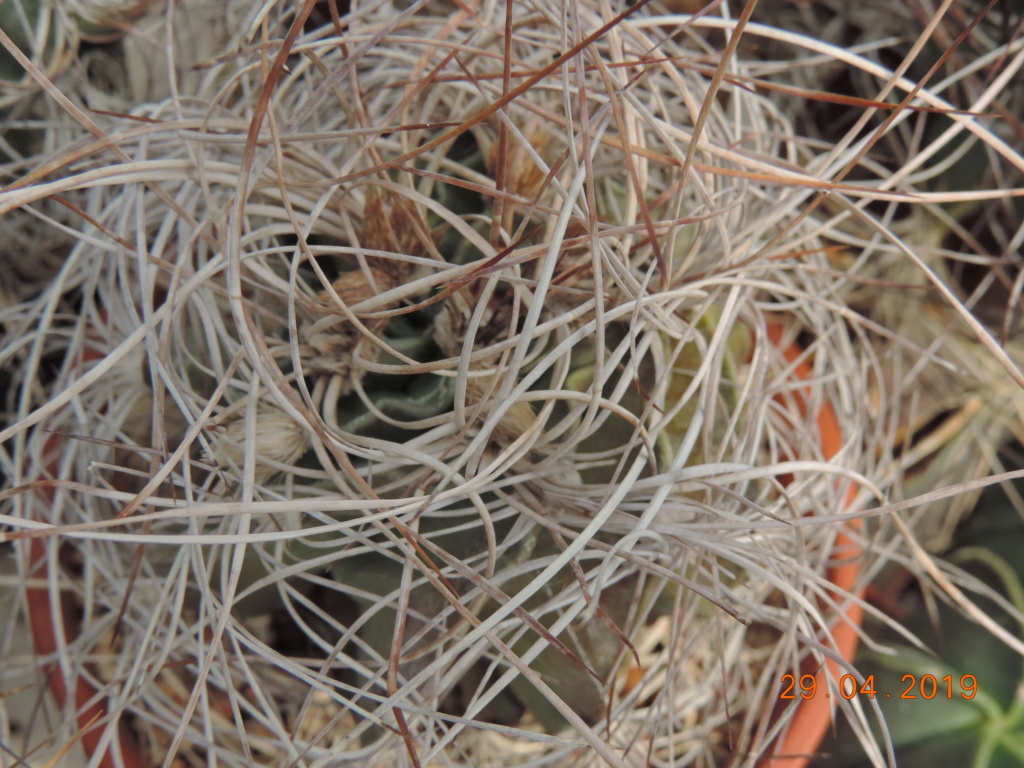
(420, 385)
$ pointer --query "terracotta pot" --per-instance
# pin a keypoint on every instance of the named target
(811, 721)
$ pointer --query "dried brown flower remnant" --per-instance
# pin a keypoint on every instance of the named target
(523, 177)
(331, 338)
(516, 421)
(357, 285)
(392, 224)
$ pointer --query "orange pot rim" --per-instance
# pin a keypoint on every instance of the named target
(809, 725)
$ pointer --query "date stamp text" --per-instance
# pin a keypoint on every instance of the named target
(914, 687)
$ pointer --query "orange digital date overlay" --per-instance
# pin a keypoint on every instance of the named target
(925, 687)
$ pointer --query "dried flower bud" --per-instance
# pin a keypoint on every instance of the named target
(279, 439)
